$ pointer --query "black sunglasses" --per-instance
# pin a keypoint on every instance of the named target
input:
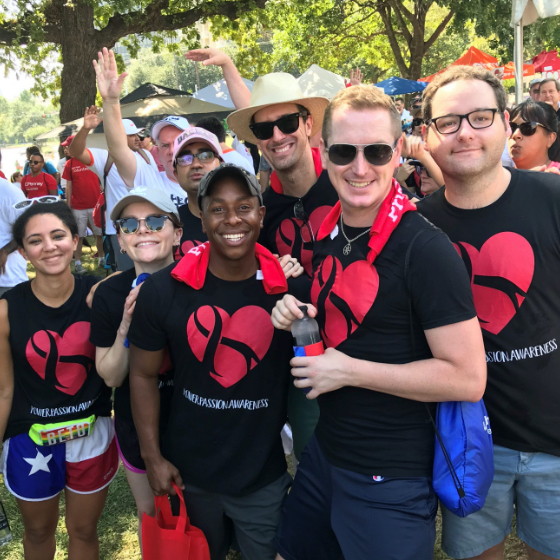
(305, 229)
(526, 128)
(132, 225)
(287, 124)
(35, 162)
(375, 154)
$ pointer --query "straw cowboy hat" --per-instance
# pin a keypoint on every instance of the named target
(273, 89)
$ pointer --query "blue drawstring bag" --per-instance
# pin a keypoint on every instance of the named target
(464, 457)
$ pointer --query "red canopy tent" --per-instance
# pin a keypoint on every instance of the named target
(546, 62)
(475, 57)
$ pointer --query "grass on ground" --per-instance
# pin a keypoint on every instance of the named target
(117, 527)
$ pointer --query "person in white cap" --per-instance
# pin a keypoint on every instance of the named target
(535, 89)
(113, 182)
(164, 133)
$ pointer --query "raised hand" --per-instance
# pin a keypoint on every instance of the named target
(91, 117)
(356, 77)
(109, 82)
(209, 57)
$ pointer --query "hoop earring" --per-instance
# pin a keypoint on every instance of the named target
(123, 252)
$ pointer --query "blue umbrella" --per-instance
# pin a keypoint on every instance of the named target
(400, 86)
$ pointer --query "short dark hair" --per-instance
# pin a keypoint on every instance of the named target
(213, 125)
(543, 113)
(58, 209)
(458, 73)
(33, 150)
(37, 154)
(399, 99)
(546, 80)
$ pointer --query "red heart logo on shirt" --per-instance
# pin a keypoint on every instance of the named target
(295, 237)
(501, 273)
(64, 362)
(229, 346)
(343, 297)
(185, 247)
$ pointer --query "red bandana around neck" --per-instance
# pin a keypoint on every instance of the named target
(388, 218)
(192, 268)
(275, 183)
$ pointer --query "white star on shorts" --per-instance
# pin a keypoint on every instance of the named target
(40, 463)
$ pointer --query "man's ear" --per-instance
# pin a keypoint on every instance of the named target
(324, 157)
(309, 125)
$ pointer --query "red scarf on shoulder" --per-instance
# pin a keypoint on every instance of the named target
(388, 218)
(192, 268)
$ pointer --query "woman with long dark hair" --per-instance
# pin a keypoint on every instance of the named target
(54, 408)
(534, 142)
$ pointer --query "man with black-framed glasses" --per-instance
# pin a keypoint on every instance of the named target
(505, 224)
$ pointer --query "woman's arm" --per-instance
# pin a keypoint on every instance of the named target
(6, 369)
(113, 363)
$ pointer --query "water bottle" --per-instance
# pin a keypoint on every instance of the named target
(307, 338)
(5, 533)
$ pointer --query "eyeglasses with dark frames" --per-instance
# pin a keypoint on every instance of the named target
(448, 124)
(207, 156)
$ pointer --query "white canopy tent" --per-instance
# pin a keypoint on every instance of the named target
(317, 81)
(525, 12)
(218, 93)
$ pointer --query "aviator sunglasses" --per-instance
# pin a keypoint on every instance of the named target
(287, 124)
(132, 225)
(375, 154)
(526, 128)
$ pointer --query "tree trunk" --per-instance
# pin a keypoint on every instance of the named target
(79, 48)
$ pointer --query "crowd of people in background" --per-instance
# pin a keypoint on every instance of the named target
(422, 235)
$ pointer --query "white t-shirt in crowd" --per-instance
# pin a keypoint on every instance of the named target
(236, 158)
(60, 168)
(116, 188)
(16, 265)
(174, 190)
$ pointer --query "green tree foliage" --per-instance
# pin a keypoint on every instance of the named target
(25, 118)
(171, 70)
(56, 40)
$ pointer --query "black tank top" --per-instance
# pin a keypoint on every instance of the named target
(55, 379)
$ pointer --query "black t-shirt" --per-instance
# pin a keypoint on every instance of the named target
(54, 362)
(106, 317)
(511, 249)
(192, 231)
(364, 311)
(283, 233)
(231, 377)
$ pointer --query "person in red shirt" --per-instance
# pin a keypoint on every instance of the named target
(82, 192)
(38, 183)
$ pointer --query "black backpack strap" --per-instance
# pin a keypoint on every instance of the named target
(454, 475)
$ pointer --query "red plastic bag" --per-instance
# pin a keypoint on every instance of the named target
(165, 537)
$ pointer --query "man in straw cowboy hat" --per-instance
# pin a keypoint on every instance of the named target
(279, 119)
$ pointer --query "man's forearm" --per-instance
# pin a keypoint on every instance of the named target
(78, 149)
(10, 247)
(69, 193)
(240, 93)
(117, 145)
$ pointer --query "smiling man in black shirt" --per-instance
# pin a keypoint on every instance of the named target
(505, 224)
(212, 309)
(397, 336)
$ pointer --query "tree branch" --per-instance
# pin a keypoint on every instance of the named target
(153, 20)
(402, 23)
(385, 13)
(439, 30)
